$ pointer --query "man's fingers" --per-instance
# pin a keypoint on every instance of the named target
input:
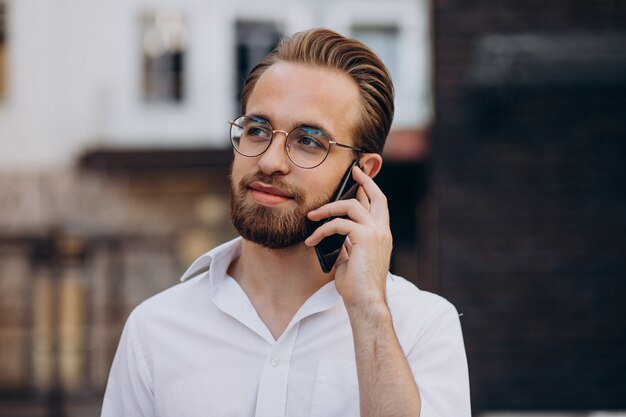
(338, 225)
(351, 208)
(362, 198)
(369, 208)
(377, 199)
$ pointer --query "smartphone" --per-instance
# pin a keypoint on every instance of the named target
(328, 249)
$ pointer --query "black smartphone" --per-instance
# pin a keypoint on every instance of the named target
(328, 249)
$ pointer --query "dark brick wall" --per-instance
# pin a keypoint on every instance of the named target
(530, 188)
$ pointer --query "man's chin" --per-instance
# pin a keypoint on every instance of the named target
(277, 245)
(271, 233)
(272, 241)
(274, 227)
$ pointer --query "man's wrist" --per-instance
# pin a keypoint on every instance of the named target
(371, 312)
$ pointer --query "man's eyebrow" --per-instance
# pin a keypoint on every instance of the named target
(260, 116)
(298, 123)
(314, 126)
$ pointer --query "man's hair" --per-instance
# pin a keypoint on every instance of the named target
(328, 49)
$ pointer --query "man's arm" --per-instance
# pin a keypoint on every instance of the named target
(386, 384)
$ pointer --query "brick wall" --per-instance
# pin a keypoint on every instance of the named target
(530, 188)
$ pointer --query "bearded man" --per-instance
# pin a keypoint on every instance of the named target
(258, 328)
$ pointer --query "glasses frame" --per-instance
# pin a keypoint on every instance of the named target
(274, 131)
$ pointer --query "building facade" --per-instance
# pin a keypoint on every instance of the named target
(114, 159)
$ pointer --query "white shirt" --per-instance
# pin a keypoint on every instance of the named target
(200, 349)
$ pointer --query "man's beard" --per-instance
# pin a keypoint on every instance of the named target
(271, 227)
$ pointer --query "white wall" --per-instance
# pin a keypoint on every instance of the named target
(74, 68)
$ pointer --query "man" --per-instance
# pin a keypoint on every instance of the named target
(257, 328)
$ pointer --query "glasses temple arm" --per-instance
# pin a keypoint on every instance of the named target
(232, 123)
(360, 150)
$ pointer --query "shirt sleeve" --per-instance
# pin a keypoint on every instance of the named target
(439, 365)
(129, 388)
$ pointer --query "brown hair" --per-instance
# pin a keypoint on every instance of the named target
(325, 48)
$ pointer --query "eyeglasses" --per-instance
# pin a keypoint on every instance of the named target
(307, 147)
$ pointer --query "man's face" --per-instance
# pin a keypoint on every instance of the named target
(270, 196)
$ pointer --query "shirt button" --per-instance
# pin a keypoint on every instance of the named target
(275, 361)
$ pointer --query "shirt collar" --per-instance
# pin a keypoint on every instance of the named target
(230, 298)
(225, 252)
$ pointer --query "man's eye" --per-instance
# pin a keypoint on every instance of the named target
(309, 142)
(257, 132)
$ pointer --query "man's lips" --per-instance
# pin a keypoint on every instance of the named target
(268, 195)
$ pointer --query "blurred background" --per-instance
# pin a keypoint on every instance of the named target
(503, 169)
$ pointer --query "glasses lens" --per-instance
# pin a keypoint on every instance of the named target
(250, 135)
(308, 147)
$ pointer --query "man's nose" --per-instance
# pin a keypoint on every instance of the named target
(274, 160)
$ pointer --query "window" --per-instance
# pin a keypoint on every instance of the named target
(384, 40)
(400, 33)
(255, 39)
(164, 48)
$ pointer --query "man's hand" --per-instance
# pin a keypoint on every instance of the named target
(386, 384)
(361, 269)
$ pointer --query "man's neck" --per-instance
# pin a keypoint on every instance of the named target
(277, 281)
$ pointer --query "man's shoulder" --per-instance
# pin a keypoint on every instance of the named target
(196, 282)
(414, 309)
(404, 294)
(179, 297)
(189, 298)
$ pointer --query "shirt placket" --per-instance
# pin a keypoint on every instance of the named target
(272, 393)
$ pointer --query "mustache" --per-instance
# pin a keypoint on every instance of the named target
(294, 192)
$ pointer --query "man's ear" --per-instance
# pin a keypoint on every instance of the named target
(371, 163)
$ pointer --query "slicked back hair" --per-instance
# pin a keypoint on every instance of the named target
(327, 49)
